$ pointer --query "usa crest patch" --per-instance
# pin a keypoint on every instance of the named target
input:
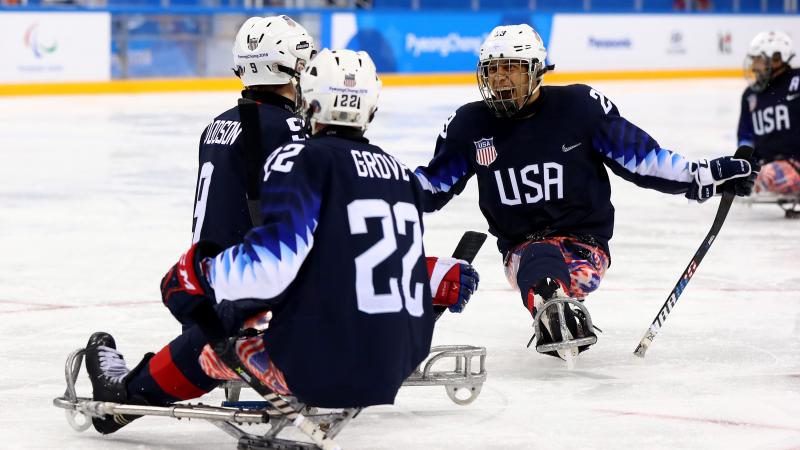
(252, 43)
(485, 152)
(350, 79)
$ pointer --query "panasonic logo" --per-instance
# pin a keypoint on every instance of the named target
(610, 43)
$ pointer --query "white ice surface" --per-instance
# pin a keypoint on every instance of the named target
(96, 203)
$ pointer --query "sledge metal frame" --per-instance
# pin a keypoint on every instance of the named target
(560, 304)
(789, 203)
(80, 410)
(468, 374)
(465, 376)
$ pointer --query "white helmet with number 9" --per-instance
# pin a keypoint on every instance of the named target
(271, 50)
(508, 49)
(765, 47)
(340, 87)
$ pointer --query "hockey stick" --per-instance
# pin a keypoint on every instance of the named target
(467, 249)
(254, 153)
(225, 347)
(743, 152)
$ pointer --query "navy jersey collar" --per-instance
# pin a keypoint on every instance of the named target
(269, 98)
(785, 75)
(351, 133)
(533, 108)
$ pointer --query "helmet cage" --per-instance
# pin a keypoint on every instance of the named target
(758, 79)
(507, 101)
(765, 49)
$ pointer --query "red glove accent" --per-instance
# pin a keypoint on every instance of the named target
(185, 286)
(452, 282)
(446, 285)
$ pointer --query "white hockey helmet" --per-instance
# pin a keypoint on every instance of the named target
(507, 45)
(763, 48)
(767, 43)
(340, 87)
(271, 50)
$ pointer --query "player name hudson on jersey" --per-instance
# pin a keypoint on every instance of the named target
(223, 132)
(377, 165)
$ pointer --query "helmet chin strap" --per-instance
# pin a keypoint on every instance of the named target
(308, 120)
(295, 81)
(538, 79)
(298, 95)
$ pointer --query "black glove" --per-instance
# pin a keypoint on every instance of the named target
(185, 285)
(743, 187)
(727, 172)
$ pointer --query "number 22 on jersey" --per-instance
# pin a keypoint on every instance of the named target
(393, 223)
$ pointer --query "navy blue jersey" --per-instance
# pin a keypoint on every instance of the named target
(340, 256)
(546, 173)
(770, 120)
(220, 211)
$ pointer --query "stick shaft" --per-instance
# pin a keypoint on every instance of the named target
(722, 212)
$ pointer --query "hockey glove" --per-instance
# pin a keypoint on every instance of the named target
(185, 285)
(452, 282)
(710, 176)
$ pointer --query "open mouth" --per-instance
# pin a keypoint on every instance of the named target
(504, 93)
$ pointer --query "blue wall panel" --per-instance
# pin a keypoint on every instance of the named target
(432, 42)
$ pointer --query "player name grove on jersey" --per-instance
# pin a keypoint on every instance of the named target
(222, 132)
(376, 165)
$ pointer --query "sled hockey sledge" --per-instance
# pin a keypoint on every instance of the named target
(789, 203)
(466, 376)
(320, 426)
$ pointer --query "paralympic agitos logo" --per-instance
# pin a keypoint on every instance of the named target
(40, 43)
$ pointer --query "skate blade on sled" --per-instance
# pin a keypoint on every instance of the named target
(564, 344)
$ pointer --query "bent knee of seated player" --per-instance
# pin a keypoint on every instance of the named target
(587, 267)
(779, 177)
(532, 261)
(579, 267)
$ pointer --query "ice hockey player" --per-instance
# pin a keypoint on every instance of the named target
(539, 154)
(268, 55)
(770, 105)
(338, 260)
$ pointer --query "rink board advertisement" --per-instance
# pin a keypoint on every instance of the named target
(422, 42)
(55, 47)
(657, 42)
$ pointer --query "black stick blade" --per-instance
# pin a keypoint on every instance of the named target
(469, 245)
(467, 248)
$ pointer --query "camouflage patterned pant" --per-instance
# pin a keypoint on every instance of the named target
(585, 264)
(779, 177)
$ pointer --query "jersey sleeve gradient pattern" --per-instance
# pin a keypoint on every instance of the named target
(635, 156)
(745, 133)
(446, 174)
(270, 257)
